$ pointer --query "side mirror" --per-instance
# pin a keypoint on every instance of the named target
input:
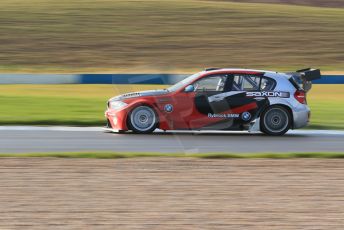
(189, 88)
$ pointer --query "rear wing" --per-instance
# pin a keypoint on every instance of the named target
(306, 76)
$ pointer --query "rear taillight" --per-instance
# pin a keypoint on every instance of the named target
(300, 96)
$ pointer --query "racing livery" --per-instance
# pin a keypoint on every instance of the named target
(218, 99)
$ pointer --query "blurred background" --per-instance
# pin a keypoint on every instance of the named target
(44, 37)
(169, 36)
(175, 36)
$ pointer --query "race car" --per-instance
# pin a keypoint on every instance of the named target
(218, 99)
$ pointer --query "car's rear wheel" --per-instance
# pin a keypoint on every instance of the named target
(142, 119)
(276, 121)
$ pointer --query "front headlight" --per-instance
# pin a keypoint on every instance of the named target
(117, 104)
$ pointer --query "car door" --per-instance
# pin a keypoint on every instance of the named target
(206, 113)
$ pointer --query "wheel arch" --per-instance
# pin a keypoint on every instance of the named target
(287, 107)
(142, 103)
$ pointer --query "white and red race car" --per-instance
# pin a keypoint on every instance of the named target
(218, 99)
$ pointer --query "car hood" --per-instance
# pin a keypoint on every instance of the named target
(140, 94)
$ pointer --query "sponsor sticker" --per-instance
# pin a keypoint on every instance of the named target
(268, 94)
(223, 115)
(168, 108)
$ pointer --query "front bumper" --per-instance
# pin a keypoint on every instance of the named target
(116, 120)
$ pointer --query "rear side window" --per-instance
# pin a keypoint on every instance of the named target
(267, 84)
(245, 82)
(252, 83)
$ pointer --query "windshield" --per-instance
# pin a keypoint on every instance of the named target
(184, 82)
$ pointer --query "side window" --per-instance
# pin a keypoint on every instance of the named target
(267, 84)
(211, 83)
(243, 82)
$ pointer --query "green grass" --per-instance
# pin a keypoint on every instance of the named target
(115, 155)
(327, 106)
(76, 105)
(79, 105)
(174, 35)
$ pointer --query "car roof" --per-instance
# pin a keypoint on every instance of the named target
(236, 70)
(272, 74)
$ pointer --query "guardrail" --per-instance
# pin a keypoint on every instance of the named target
(166, 79)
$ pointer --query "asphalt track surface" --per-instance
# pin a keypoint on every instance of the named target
(17, 139)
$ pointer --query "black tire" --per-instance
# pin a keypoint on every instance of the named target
(142, 119)
(275, 121)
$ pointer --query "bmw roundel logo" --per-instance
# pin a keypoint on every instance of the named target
(246, 116)
(168, 108)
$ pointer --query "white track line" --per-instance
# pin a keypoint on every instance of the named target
(51, 128)
(317, 132)
(100, 129)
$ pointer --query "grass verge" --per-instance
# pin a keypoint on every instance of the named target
(84, 105)
(116, 155)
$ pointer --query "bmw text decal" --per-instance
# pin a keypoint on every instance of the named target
(221, 115)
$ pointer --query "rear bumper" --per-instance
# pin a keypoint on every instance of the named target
(301, 117)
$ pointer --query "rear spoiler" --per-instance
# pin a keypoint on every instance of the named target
(306, 76)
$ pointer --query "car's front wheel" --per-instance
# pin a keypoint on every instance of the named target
(276, 121)
(142, 119)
